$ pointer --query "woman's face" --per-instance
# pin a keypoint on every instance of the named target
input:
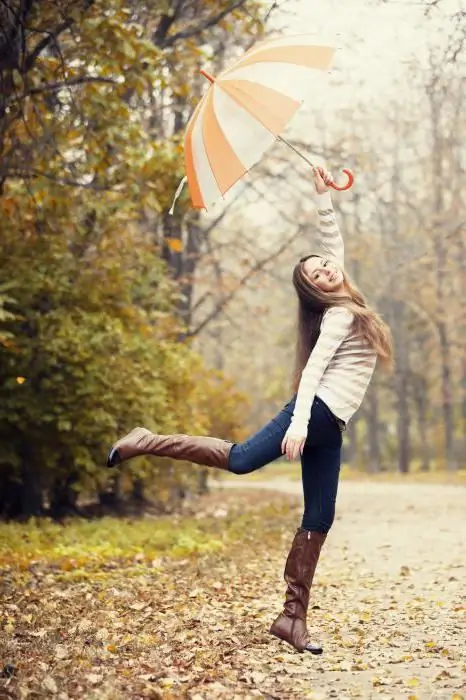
(324, 273)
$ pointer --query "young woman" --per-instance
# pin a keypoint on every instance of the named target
(339, 340)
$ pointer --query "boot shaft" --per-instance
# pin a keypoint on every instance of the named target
(300, 569)
(207, 451)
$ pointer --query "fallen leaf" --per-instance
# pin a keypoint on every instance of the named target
(94, 678)
(61, 651)
(49, 685)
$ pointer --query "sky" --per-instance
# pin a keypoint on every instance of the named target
(377, 43)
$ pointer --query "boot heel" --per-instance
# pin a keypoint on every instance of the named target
(113, 458)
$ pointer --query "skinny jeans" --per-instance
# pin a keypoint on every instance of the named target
(320, 461)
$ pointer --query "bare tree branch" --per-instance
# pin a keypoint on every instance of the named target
(200, 28)
(259, 265)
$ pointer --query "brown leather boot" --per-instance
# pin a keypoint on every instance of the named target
(210, 452)
(300, 566)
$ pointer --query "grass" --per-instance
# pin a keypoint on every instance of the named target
(90, 546)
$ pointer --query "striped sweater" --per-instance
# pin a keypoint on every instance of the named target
(340, 366)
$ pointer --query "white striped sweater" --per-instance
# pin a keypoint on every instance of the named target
(341, 365)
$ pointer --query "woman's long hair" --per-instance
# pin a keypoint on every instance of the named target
(313, 303)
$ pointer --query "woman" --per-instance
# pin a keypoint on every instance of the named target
(339, 340)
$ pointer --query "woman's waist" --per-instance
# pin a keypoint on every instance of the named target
(339, 421)
(342, 406)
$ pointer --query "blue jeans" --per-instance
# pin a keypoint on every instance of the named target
(320, 461)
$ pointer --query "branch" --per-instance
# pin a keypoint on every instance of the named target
(165, 23)
(260, 264)
(51, 38)
(210, 22)
(274, 6)
(50, 87)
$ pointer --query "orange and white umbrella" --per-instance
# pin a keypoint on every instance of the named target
(246, 108)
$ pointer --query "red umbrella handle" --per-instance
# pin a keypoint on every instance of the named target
(347, 185)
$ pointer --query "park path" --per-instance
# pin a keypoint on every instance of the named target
(390, 591)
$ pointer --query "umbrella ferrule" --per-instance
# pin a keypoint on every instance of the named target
(207, 75)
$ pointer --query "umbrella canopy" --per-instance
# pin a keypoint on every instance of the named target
(245, 110)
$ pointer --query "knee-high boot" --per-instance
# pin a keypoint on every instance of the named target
(300, 566)
(210, 452)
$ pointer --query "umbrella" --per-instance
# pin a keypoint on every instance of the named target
(245, 110)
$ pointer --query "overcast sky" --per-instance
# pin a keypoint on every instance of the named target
(377, 43)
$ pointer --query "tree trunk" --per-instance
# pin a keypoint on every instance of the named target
(401, 389)
(439, 149)
(10, 497)
(32, 504)
(137, 493)
(447, 398)
(420, 399)
(63, 497)
(351, 444)
(373, 430)
(110, 497)
(203, 482)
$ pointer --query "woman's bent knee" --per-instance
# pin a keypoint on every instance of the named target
(240, 469)
(238, 462)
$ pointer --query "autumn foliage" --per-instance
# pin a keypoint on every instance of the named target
(91, 334)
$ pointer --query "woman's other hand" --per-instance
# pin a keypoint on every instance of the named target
(322, 179)
(293, 446)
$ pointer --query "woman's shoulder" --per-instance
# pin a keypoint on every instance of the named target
(339, 313)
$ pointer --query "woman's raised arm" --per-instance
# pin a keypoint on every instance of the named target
(330, 236)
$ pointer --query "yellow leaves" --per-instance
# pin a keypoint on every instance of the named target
(379, 681)
(9, 628)
(412, 682)
(8, 206)
(20, 380)
(152, 201)
(174, 244)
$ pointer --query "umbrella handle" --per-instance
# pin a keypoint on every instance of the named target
(347, 185)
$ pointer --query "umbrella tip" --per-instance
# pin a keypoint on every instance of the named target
(207, 75)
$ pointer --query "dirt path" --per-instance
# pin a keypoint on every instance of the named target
(391, 591)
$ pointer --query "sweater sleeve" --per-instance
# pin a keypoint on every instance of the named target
(331, 239)
(335, 327)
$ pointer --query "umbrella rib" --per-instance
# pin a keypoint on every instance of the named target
(277, 136)
(231, 92)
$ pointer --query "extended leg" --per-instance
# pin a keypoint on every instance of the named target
(261, 449)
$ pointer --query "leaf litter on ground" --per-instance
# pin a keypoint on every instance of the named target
(180, 607)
